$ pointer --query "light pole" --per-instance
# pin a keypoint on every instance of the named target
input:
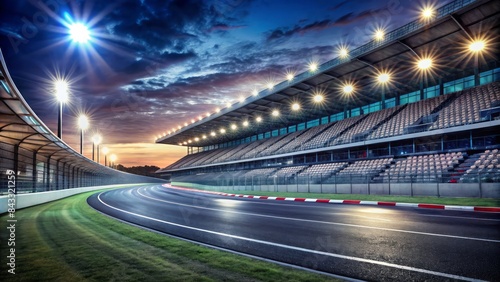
(61, 88)
(83, 123)
(112, 158)
(96, 140)
(105, 150)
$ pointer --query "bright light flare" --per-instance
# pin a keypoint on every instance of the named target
(245, 123)
(379, 34)
(427, 12)
(343, 52)
(234, 127)
(97, 139)
(424, 64)
(313, 66)
(477, 46)
(113, 158)
(222, 130)
(258, 119)
(61, 89)
(275, 113)
(318, 98)
(79, 33)
(255, 92)
(383, 78)
(270, 85)
(348, 89)
(290, 76)
(83, 122)
(105, 150)
(295, 106)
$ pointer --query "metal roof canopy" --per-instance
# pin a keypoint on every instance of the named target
(444, 39)
(20, 126)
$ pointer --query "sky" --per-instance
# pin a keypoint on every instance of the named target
(150, 66)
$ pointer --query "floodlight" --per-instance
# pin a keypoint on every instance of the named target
(83, 122)
(222, 130)
(270, 85)
(343, 52)
(61, 88)
(234, 127)
(424, 64)
(258, 119)
(79, 33)
(295, 106)
(275, 113)
(245, 123)
(383, 78)
(255, 92)
(477, 46)
(318, 98)
(313, 66)
(289, 76)
(379, 34)
(348, 89)
(427, 12)
(105, 150)
(196, 139)
(96, 139)
(212, 133)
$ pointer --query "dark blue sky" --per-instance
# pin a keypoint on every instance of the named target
(153, 65)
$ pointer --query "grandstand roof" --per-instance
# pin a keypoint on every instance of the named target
(444, 38)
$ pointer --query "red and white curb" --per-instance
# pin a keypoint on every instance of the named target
(349, 202)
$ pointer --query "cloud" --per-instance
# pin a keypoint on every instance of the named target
(283, 32)
(352, 17)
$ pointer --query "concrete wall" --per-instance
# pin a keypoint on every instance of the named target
(473, 190)
(33, 199)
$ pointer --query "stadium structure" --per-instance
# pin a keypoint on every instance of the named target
(414, 111)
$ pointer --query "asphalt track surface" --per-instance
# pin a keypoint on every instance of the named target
(367, 243)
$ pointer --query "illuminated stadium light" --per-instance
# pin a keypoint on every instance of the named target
(179, 127)
(245, 123)
(212, 133)
(83, 122)
(318, 98)
(343, 52)
(79, 33)
(61, 89)
(207, 114)
(113, 158)
(258, 119)
(185, 143)
(169, 132)
(196, 139)
(270, 85)
(255, 92)
(427, 12)
(96, 139)
(180, 144)
(204, 137)
(190, 141)
(290, 76)
(348, 88)
(222, 130)
(379, 34)
(200, 117)
(295, 106)
(193, 121)
(424, 64)
(275, 113)
(313, 66)
(383, 78)
(234, 127)
(242, 99)
(217, 110)
(477, 46)
(228, 105)
(185, 124)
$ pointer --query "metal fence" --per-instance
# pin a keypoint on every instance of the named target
(475, 184)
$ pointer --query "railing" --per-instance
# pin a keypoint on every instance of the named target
(449, 184)
(38, 160)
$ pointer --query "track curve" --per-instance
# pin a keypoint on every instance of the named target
(369, 243)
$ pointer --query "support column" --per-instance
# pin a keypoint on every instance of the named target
(35, 173)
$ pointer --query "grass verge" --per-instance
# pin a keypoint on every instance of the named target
(66, 240)
(485, 202)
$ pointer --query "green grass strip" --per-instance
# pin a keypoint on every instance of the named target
(485, 202)
(66, 240)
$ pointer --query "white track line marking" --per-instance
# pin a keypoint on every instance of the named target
(387, 264)
(326, 222)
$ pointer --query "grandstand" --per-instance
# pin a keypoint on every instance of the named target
(436, 126)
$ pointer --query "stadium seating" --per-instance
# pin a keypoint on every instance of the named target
(485, 168)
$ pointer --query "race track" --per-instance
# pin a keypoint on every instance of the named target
(362, 242)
